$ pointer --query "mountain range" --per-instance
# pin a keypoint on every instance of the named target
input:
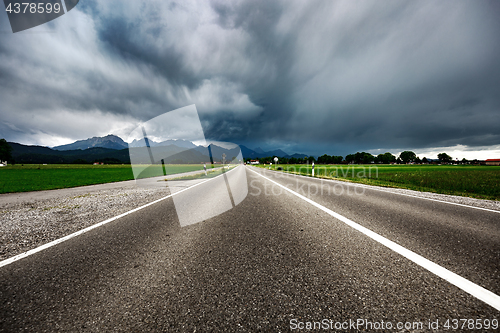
(112, 149)
(109, 141)
(114, 142)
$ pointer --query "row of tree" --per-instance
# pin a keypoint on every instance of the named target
(358, 158)
(405, 157)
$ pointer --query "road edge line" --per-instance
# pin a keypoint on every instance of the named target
(462, 283)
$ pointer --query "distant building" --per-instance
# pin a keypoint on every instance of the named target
(492, 161)
(254, 162)
(3, 163)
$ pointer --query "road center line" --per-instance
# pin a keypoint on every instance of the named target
(77, 233)
(475, 290)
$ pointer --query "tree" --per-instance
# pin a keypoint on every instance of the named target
(367, 158)
(5, 151)
(82, 161)
(265, 160)
(360, 158)
(407, 156)
(444, 158)
(349, 158)
(337, 159)
(425, 160)
(386, 158)
(325, 159)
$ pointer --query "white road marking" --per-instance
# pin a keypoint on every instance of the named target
(65, 238)
(375, 188)
(475, 290)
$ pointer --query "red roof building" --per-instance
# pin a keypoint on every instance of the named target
(492, 161)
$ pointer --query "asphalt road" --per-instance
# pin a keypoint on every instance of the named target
(272, 260)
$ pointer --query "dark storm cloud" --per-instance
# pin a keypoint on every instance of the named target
(414, 74)
(316, 76)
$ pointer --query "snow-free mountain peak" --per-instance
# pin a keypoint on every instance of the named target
(109, 141)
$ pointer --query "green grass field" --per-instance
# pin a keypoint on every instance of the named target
(481, 182)
(474, 181)
(35, 177)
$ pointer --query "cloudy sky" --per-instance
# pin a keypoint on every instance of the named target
(313, 77)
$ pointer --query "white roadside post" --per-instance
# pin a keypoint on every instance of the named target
(313, 169)
(275, 162)
(270, 165)
(205, 168)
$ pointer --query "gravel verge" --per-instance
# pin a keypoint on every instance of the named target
(28, 221)
(31, 219)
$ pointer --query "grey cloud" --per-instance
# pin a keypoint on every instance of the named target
(386, 68)
(344, 75)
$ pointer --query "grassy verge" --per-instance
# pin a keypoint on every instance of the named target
(481, 182)
(35, 177)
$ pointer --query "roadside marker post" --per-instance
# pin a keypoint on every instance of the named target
(313, 169)
(205, 168)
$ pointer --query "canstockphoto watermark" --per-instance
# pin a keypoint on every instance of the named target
(356, 324)
(171, 151)
(308, 189)
(363, 324)
(331, 171)
(26, 14)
